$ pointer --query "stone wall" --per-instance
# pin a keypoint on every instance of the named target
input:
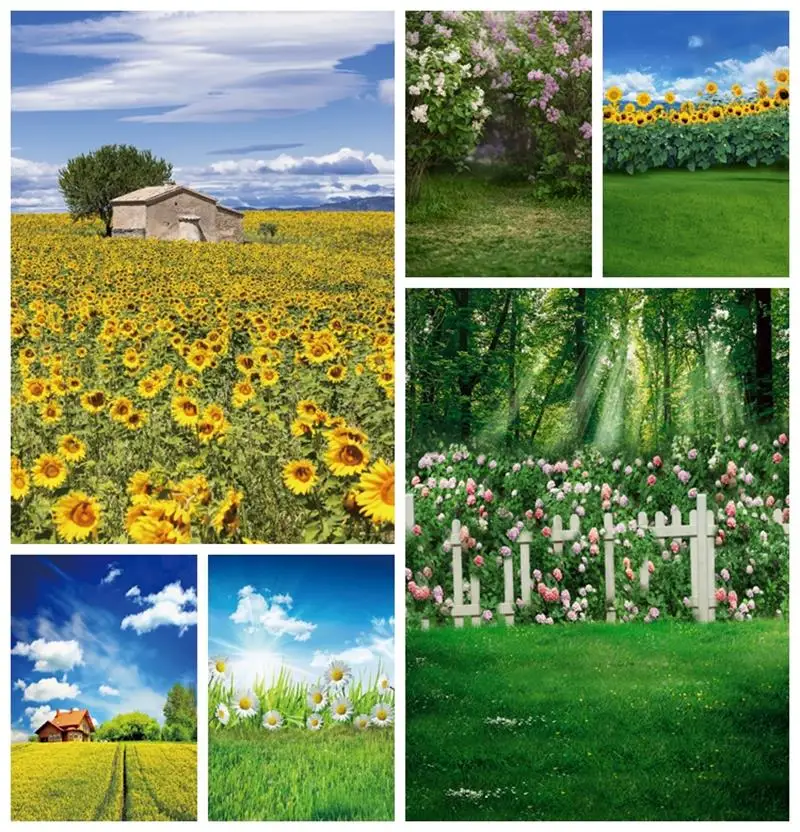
(229, 226)
(125, 218)
(162, 217)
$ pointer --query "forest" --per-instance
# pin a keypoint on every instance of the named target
(552, 370)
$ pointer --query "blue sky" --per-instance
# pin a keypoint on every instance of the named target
(110, 636)
(299, 612)
(273, 109)
(680, 51)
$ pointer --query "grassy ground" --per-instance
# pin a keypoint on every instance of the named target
(722, 222)
(475, 226)
(603, 722)
(299, 775)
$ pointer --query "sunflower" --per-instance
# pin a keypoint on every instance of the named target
(762, 88)
(136, 420)
(736, 90)
(346, 458)
(669, 97)
(227, 517)
(781, 76)
(94, 401)
(243, 392)
(711, 88)
(300, 476)
(336, 373)
(49, 471)
(51, 413)
(140, 486)
(643, 99)
(376, 495)
(121, 408)
(76, 515)
(20, 482)
(35, 390)
(630, 107)
(71, 448)
(782, 95)
(613, 94)
(301, 428)
(185, 411)
(268, 377)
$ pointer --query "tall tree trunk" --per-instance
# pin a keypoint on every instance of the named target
(667, 393)
(465, 382)
(764, 399)
(512, 431)
(582, 405)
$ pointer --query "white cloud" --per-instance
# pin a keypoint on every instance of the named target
(134, 592)
(38, 716)
(19, 684)
(18, 736)
(386, 90)
(255, 612)
(374, 649)
(172, 606)
(107, 690)
(113, 573)
(695, 41)
(46, 690)
(723, 73)
(203, 67)
(50, 656)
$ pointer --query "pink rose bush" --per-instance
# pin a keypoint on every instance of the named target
(744, 487)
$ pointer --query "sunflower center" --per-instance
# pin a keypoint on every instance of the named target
(37, 389)
(352, 455)
(190, 408)
(387, 491)
(71, 445)
(19, 479)
(303, 473)
(83, 515)
(52, 470)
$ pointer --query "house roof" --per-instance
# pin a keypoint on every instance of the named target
(228, 210)
(155, 193)
(64, 720)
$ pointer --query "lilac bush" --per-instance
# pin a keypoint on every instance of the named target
(496, 498)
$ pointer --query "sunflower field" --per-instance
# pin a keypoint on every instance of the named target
(721, 128)
(166, 392)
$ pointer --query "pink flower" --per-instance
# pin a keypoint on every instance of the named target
(730, 508)
(626, 563)
(412, 586)
(488, 496)
(409, 574)
(731, 522)
(487, 615)
(650, 567)
(721, 594)
(557, 574)
(651, 480)
(733, 598)
(657, 462)
(421, 593)
(478, 560)
(427, 571)
(594, 535)
(777, 458)
(547, 531)
(416, 529)
(425, 491)
(415, 480)
(471, 499)
(539, 513)
(629, 574)
(470, 486)
(529, 514)
(783, 439)
(770, 501)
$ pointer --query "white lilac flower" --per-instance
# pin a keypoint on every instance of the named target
(316, 698)
(314, 722)
(245, 704)
(338, 674)
(222, 713)
(272, 721)
(341, 709)
(382, 714)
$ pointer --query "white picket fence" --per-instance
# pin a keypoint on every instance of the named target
(701, 530)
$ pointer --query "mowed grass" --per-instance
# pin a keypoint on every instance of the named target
(103, 781)
(473, 225)
(722, 222)
(666, 721)
(300, 775)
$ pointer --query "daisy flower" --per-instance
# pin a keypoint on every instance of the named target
(245, 704)
(341, 709)
(218, 669)
(384, 685)
(314, 722)
(222, 713)
(316, 698)
(361, 722)
(382, 714)
(338, 674)
(272, 721)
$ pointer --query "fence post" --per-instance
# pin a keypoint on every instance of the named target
(506, 608)
(525, 540)
(409, 512)
(458, 573)
(644, 573)
(709, 531)
(608, 553)
(702, 566)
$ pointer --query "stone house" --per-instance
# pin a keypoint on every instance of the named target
(174, 212)
(67, 726)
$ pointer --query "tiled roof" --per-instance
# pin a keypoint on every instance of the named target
(71, 719)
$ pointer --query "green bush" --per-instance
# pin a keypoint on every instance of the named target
(759, 140)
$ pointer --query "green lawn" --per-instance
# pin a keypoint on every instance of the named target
(298, 775)
(477, 226)
(666, 721)
(722, 222)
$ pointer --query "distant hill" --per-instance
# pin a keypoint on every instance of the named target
(368, 203)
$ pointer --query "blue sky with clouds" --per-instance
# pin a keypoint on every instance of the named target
(110, 636)
(680, 51)
(272, 109)
(299, 612)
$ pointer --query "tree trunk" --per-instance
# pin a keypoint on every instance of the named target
(581, 366)
(764, 392)
(512, 431)
(465, 375)
(667, 393)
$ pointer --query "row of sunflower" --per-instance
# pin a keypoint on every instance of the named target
(165, 393)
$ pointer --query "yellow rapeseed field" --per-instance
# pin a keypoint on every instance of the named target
(103, 781)
(171, 392)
